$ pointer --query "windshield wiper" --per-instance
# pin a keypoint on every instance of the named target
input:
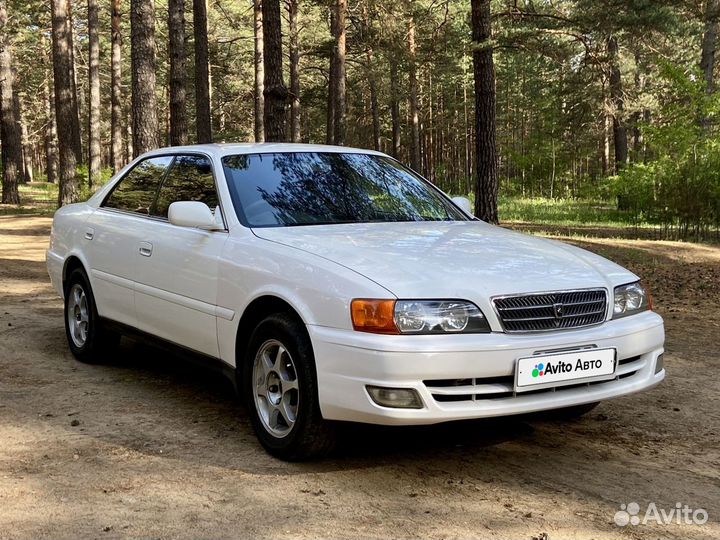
(338, 222)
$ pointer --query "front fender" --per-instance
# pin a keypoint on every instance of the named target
(318, 289)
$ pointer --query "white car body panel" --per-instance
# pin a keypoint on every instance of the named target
(176, 286)
(112, 262)
(464, 260)
(196, 285)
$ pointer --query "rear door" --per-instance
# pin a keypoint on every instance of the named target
(112, 233)
(177, 267)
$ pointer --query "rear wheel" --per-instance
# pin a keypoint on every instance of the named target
(89, 341)
(280, 388)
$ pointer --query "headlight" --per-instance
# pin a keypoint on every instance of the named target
(630, 299)
(418, 317)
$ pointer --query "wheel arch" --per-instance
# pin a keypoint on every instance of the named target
(72, 263)
(255, 312)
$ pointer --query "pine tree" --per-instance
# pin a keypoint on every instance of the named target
(275, 91)
(144, 107)
(94, 76)
(176, 52)
(9, 130)
(66, 110)
(486, 191)
(117, 158)
(203, 122)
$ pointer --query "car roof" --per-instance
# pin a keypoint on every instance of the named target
(225, 149)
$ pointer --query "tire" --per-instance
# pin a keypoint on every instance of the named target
(89, 341)
(279, 385)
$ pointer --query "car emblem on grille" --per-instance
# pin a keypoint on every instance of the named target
(545, 312)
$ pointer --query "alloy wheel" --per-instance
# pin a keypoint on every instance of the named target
(78, 315)
(277, 393)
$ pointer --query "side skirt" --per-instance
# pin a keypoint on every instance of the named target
(194, 357)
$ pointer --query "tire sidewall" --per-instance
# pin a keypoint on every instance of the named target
(294, 338)
(84, 353)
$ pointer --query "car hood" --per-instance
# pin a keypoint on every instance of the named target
(466, 260)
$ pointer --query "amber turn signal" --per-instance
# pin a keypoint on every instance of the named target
(375, 316)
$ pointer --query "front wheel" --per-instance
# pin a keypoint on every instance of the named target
(280, 388)
(89, 341)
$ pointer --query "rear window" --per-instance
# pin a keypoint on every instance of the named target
(137, 189)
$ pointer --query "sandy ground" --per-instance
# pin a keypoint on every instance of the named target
(149, 446)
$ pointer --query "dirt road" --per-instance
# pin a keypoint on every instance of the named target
(151, 447)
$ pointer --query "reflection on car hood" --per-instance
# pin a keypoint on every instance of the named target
(470, 260)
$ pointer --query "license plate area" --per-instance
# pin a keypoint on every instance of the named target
(564, 368)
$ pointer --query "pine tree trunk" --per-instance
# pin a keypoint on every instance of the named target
(142, 50)
(485, 147)
(76, 129)
(116, 114)
(374, 107)
(330, 115)
(638, 137)
(129, 134)
(275, 91)
(294, 71)
(709, 43)
(259, 72)
(338, 80)
(466, 134)
(22, 177)
(176, 51)
(332, 87)
(94, 75)
(428, 139)
(618, 102)
(709, 46)
(395, 107)
(415, 162)
(66, 112)
(9, 135)
(26, 145)
(202, 73)
(51, 156)
(605, 146)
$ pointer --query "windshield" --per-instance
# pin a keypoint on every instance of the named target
(313, 188)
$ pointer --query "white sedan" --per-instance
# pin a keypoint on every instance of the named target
(336, 284)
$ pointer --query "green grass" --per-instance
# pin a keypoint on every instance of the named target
(38, 198)
(564, 212)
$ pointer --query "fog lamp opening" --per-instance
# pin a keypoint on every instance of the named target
(397, 398)
(660, 363)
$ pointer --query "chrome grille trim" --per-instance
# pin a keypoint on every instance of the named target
(551, 311)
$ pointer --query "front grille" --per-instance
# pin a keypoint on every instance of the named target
(543, 312)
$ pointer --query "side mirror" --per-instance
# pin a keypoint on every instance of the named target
(464, 204)
(192, 214)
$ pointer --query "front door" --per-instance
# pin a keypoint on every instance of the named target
(177, 267)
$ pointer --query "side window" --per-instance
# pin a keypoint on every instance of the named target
(189, 179)
(136, 191)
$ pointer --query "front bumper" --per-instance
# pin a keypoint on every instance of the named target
(348, 361)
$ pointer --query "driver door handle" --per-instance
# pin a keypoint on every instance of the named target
(146, 249)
